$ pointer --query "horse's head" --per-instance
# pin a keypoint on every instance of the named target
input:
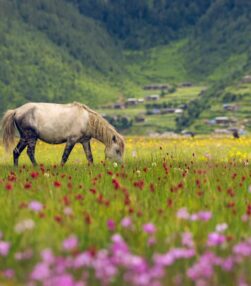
(116, 149)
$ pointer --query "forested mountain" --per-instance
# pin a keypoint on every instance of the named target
(97, 51)
(50, 52)
(145, 23)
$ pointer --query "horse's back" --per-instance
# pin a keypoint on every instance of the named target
(53, 122)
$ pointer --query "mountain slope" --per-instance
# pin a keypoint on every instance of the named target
(99, 51)
(48, 56)
(222, 33)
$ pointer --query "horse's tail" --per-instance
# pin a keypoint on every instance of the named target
(8, 127)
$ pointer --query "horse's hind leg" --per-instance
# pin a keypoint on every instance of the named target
(31, 142)
(67, 151)
(18, 150)
(31, 151)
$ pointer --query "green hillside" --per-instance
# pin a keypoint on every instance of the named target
(100, 52)
(50, 52)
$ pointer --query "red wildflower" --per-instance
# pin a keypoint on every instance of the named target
(9, 187)
(58, 218)
(139, 184)
(23, 205)
(92, 250)
(69, 185)
(34, 175)
(169, 203)
(152, 188)
(66, 201)
(28, 185)
(57, 184)
(93, 191)
(116, 184)
(12, 177)
(87, 219)
(248, 211)
(79, 197)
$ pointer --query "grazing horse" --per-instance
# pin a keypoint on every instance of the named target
(59, 123)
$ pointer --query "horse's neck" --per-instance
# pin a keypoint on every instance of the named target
(101, 130)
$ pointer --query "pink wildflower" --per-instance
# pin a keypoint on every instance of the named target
(35, 206)
(126, 222)
(183, 214)
(111, 225)
(215, 239)
(4, 248)
(70, 243)
(40, 272)
(204, 215)
(149, 228)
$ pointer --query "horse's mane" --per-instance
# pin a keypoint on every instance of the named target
(100, 127)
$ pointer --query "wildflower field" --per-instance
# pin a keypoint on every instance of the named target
(177, 212)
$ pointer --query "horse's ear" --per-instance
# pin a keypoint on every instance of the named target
(114, 139)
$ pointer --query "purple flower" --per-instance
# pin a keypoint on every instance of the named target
(4, 248)
(9, 273)
(221, 227)
(151, 240)
(242, 249)
(204, 268)
(119, 246)
(47, 256)
(187, 239)
(70, 243)
(62, 280)
(40, 272)
(27, 254)
(204, 215)
(215, 239)
(228, 264)
(149, 228)
(35, 206)
(82, 260)
(111, 225)
(172, 255)
(183, 213)
(194, 217)
(126, 222)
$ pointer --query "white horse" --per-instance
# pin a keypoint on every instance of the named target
(59, 123)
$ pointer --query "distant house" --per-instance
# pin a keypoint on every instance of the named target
(156, 87)
(221, 131)
(167, 110)
(185, 84)
(187, 133)
(210, 121)
(153, 97)
(223, 120)
(140, 118)
(230, 107)
(154, 111)
(131, 101)
(178, 111)
(246, 79)
(141, 100)
(118, 105)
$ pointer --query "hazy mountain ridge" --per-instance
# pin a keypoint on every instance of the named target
(65, 50)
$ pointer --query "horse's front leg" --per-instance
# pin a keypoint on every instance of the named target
(88, 151)
(67, 151)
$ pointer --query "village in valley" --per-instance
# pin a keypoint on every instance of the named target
(155, 113)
